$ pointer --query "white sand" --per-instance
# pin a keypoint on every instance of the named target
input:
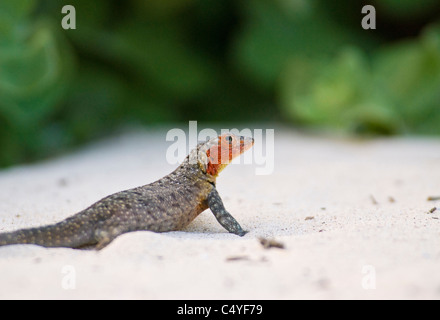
(352, 248)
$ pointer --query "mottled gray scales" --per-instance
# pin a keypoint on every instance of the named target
(168, 204)
(223, 217)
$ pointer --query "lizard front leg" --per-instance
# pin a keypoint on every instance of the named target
(228, 222)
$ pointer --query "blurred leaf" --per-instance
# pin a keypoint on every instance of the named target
(155, 52)
(410, 73)
(17, 9)
(12, 15)
(337, 94)
(33, 75)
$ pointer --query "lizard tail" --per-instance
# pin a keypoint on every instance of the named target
(56, 235)
(17, 237)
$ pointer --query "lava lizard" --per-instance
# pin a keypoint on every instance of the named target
(167, 204)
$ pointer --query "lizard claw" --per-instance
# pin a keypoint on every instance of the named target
(241, 233)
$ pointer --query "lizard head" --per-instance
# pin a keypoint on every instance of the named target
(217, 153)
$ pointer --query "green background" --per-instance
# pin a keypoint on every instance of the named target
(307, 64)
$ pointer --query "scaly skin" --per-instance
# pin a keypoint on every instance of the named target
(168, 204)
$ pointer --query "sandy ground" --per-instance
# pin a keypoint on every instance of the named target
(352, 216)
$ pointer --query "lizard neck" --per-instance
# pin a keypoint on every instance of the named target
(214, 169)
(193, 171)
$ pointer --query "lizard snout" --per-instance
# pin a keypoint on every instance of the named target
(246, 143)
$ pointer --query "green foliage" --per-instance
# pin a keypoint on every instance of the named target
(306, 62)
(338, 94)
(410, 74)
(273, 33)
(35, 69)
(396, 91)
